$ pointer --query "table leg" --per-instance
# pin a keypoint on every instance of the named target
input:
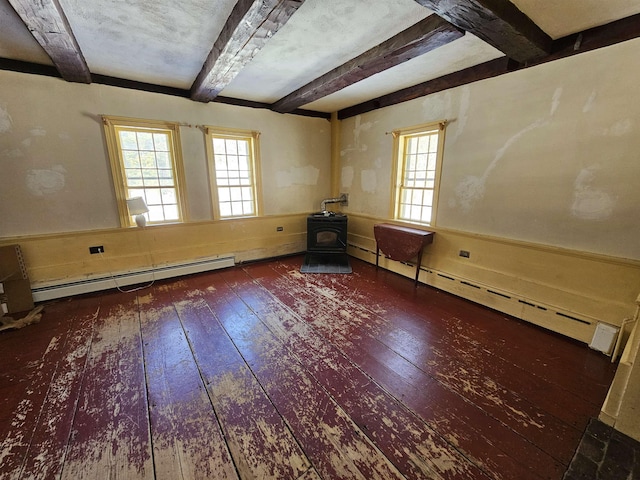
(418, 266)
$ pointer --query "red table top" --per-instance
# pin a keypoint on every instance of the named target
(400, 243)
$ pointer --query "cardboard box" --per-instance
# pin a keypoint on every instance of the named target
(17, 296)
(12, 266)
(15, 289)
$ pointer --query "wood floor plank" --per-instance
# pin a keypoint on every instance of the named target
(44, 459)
(531, 347)
(407, 441)
(352, 345)
(478, 367)
(475, 346)
(41, 409)
(332, 441)
(110, 436)
(260, 442)
(180, 411)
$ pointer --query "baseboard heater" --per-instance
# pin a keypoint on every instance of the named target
(511, 302)
(51, 291)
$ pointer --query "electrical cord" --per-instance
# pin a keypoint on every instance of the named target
(142, 287)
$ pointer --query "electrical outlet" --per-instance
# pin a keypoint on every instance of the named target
(346, 202)
(97, 249)
(279, 229)
(465, 253)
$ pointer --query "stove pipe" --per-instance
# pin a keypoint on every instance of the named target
(342, 200)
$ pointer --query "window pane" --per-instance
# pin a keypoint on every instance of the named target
(171, 212)
(412, 146)
(160, 140)
(163, 160)
(236, 209)
(153, 197)
(148, 159)
(169, 196)
(224, 195)
(145, 141)
(225, 209)
(417, 197)
(221, 162)
(428, 198)
(231, 147)
(426, 214)
(131, 159)
(236, 194)
(128, 140)
(156, 213)
(243, 163)
(218, 146)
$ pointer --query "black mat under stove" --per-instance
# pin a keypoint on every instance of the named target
(326, 263)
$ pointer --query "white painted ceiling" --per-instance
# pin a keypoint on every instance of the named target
(166, 43)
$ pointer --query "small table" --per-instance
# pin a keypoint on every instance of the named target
(401, 243)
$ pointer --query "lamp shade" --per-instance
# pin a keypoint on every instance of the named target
(137, 206)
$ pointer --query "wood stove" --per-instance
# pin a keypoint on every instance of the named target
(327, 233)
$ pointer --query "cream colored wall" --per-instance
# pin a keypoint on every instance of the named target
(548, 155)
(54, 167)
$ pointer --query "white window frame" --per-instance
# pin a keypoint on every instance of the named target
(401, 140)
(112, 126)
(218, 196)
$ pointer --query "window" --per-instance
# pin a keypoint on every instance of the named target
(146, 162)
(418, 153)
(233, 163)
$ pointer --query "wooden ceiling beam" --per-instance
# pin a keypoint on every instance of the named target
(612, 33)
(499, 23)
(424, 36)
(48, 24)
(251, 24)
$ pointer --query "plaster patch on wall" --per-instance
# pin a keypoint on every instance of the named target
(357, 129)
(37, 132)
(6, 122)
(555, 101)
(620, 128)
(439, 105)
(346, 178)
(46, 182)
(12, 153)
(590, 203)
(368, 181)
(307, 175)
(463, 112)
(588, 106)
(471, 189)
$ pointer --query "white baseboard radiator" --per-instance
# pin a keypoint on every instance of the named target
(561, 320)
(58, 290)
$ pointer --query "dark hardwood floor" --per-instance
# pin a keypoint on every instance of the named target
(259, 371)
